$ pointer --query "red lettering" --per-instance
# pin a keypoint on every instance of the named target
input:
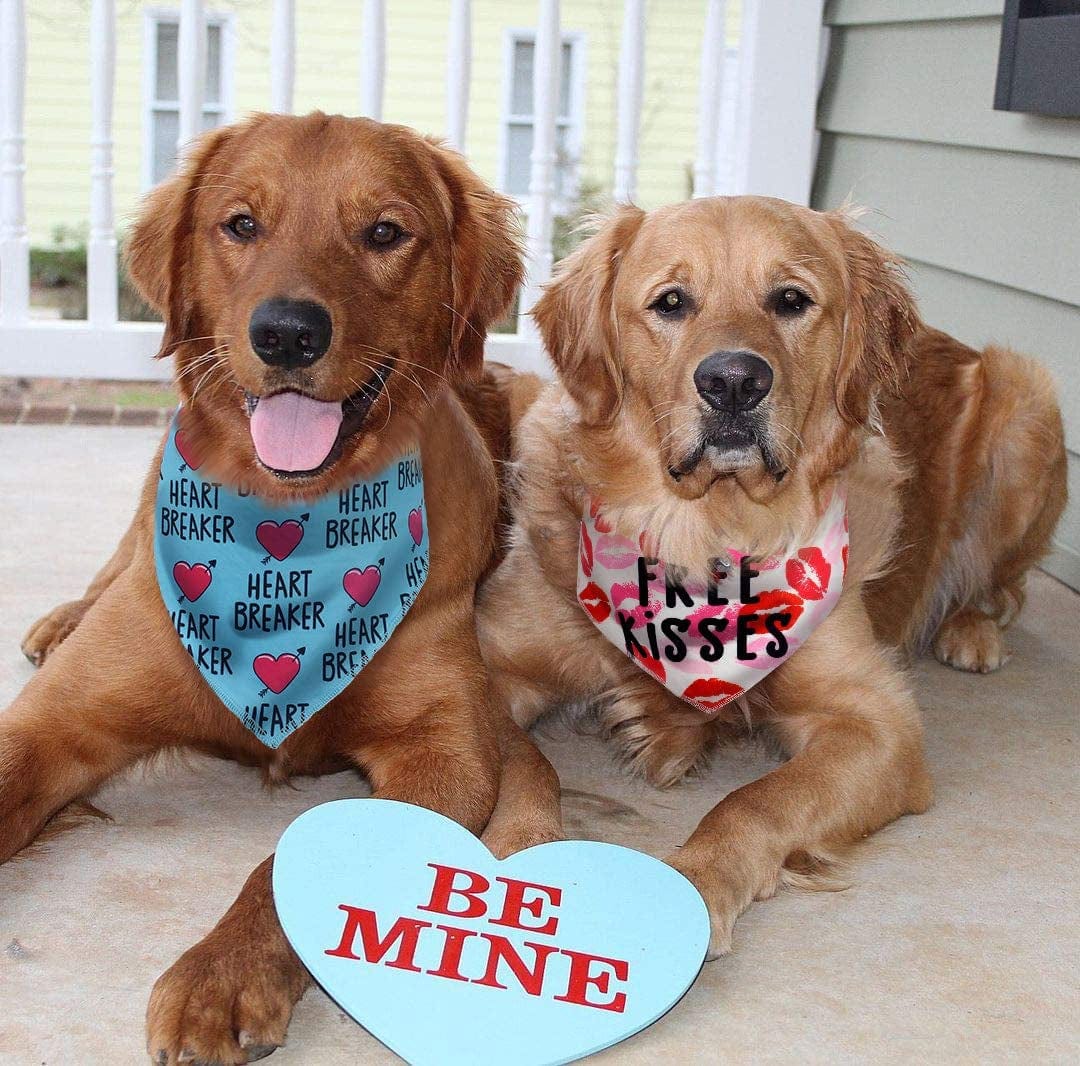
(515, 904)
(450, 963)
(405, 930)
(443, 889)
(532, 981)
(580, 979)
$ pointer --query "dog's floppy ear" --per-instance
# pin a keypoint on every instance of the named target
(486, 259)
(159, 247)
(879, 325)
(576, 317)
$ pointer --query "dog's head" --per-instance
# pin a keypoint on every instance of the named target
(743, 336)
(321, 278)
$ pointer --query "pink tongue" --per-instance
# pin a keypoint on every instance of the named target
(294, 432)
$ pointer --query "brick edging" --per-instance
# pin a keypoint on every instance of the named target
(72, 414)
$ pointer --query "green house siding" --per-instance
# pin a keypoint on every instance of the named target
(971, 197)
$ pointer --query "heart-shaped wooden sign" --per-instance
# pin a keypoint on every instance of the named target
(451, 956)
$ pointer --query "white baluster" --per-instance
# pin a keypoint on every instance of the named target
(14, 246)
(712, 67)
(458, 72)
(191, 70)
(373, 58)
(101, 248)
(631, 83)
(283, 56)
(727, 137)
(546, 60)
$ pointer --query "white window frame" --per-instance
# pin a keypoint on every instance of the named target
(152, 18)
(575, 122)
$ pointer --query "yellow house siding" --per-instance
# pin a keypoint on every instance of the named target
(328, 76)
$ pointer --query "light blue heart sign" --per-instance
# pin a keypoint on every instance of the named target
(450, 956)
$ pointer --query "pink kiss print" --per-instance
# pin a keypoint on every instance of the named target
(192, 579)
(416, 525)
(187, 450)
(279, 538)
(361, 584)
(276, 674)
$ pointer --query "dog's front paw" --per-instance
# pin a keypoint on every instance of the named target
(51, 630)
(505, 840)
(723, 896)
(223, 1003)
(970, 640)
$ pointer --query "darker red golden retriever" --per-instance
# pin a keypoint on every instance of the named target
(387, 259)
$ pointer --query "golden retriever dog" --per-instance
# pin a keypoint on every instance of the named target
(725, 366)
(384, 259)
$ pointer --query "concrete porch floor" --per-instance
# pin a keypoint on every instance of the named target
(959, 941)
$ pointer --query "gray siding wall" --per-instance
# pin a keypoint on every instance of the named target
(984, 205)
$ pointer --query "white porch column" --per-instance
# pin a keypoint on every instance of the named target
(14, 245)
(546, 58)
(191, 71)
(458, 73)
(711, 81)
(373, 58)
(631, 83)
(778, 80)
(283, 56)
(101, 295)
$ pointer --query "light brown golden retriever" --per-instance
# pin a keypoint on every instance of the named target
(385, 259)
(954, 466)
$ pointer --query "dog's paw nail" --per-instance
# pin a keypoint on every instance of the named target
(260, 1051)
(162, 1057)
(187, 1055)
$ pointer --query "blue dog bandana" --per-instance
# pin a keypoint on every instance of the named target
(281, 607)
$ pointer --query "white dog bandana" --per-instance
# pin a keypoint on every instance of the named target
(710, 643)
(281, 607)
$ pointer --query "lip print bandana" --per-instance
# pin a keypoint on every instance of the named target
(281, 607)
(710, 643)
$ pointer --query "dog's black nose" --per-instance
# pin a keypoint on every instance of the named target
(733, 381)
(291, 334)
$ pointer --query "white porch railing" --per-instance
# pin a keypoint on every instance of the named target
(765, 142)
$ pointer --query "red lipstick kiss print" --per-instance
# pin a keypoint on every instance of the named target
(187, 450)
(808, 574)
(279, 538)
(595, 602)
(601, 523)
(362, 584)
(193, 579)
(711, 693)
(773, 601)
(416, 526)
(586, 551)
(276, 674)
(654, 666)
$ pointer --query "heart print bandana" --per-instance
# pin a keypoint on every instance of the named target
(708, 643)
(281, 607)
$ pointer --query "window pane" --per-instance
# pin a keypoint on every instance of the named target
(519, 142)
(165, 87)
(212, 93)
(521, 94)
(564, 82)
(565, 163)
(519, 139)
(166, 130)
(211, 120)
(521, 88)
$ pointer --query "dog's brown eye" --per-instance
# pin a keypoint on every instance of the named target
(670, 302)
(790, 301)
(242, 227)
(385, 234)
